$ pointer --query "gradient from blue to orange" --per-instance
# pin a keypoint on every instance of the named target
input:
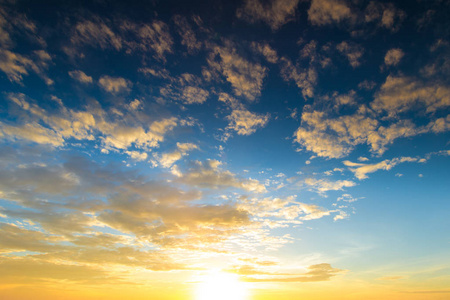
(260, 149)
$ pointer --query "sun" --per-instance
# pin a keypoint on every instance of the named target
(220, 286)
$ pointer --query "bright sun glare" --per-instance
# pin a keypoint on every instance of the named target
(221, 286)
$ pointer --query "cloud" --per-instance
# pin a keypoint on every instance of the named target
(136, 155)
(386, 15)
(80, 76)
(332, 133)
(275, 13)
(186, 88)
(393, 56)
(153, 210)
(126, 35)
(15, 65)
(337, 137)
(97, 34)
(324, 12)
(208, 174)
(193, 95)
(33, 132)
(188, 36)
(161, 73)
(119, 132)
(322, 186)
(245, 122)
(168, 159)
(245, 77)
(400, 94)
(114, 85)
(352, 51)
(315, 273)
(152, 37)
(361, 170)
(305, 79)
(333, 138)
(284, 209)
(267, 51)
(13, 24)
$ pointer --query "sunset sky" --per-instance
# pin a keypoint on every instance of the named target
(246, 150)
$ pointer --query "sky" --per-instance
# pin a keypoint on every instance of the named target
(255, 149)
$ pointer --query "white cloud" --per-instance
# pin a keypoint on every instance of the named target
(80, 76)
(275, 13)
(114, 85)
(347, 198)
(136, 155)
(313, 212)
(322, 186)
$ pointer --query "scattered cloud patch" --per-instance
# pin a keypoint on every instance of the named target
(274, 13)
(325, 12)
(244, 122)
(80, 76)
(393, 57)
(114, 85)
(361, 170)
(322, 186)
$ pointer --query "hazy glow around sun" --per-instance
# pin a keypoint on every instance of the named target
(220, 286)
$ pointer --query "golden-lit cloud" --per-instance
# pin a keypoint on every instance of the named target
(245, 122)
(323, 12)
(275, 13)
(245, 77)
(361, 170)
(318, 272)
(80, 76)
(208, 174)
(114, 84)
(393, 56)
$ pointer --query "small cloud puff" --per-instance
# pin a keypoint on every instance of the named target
(393, 57)
(80, 76)
(114, 85)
